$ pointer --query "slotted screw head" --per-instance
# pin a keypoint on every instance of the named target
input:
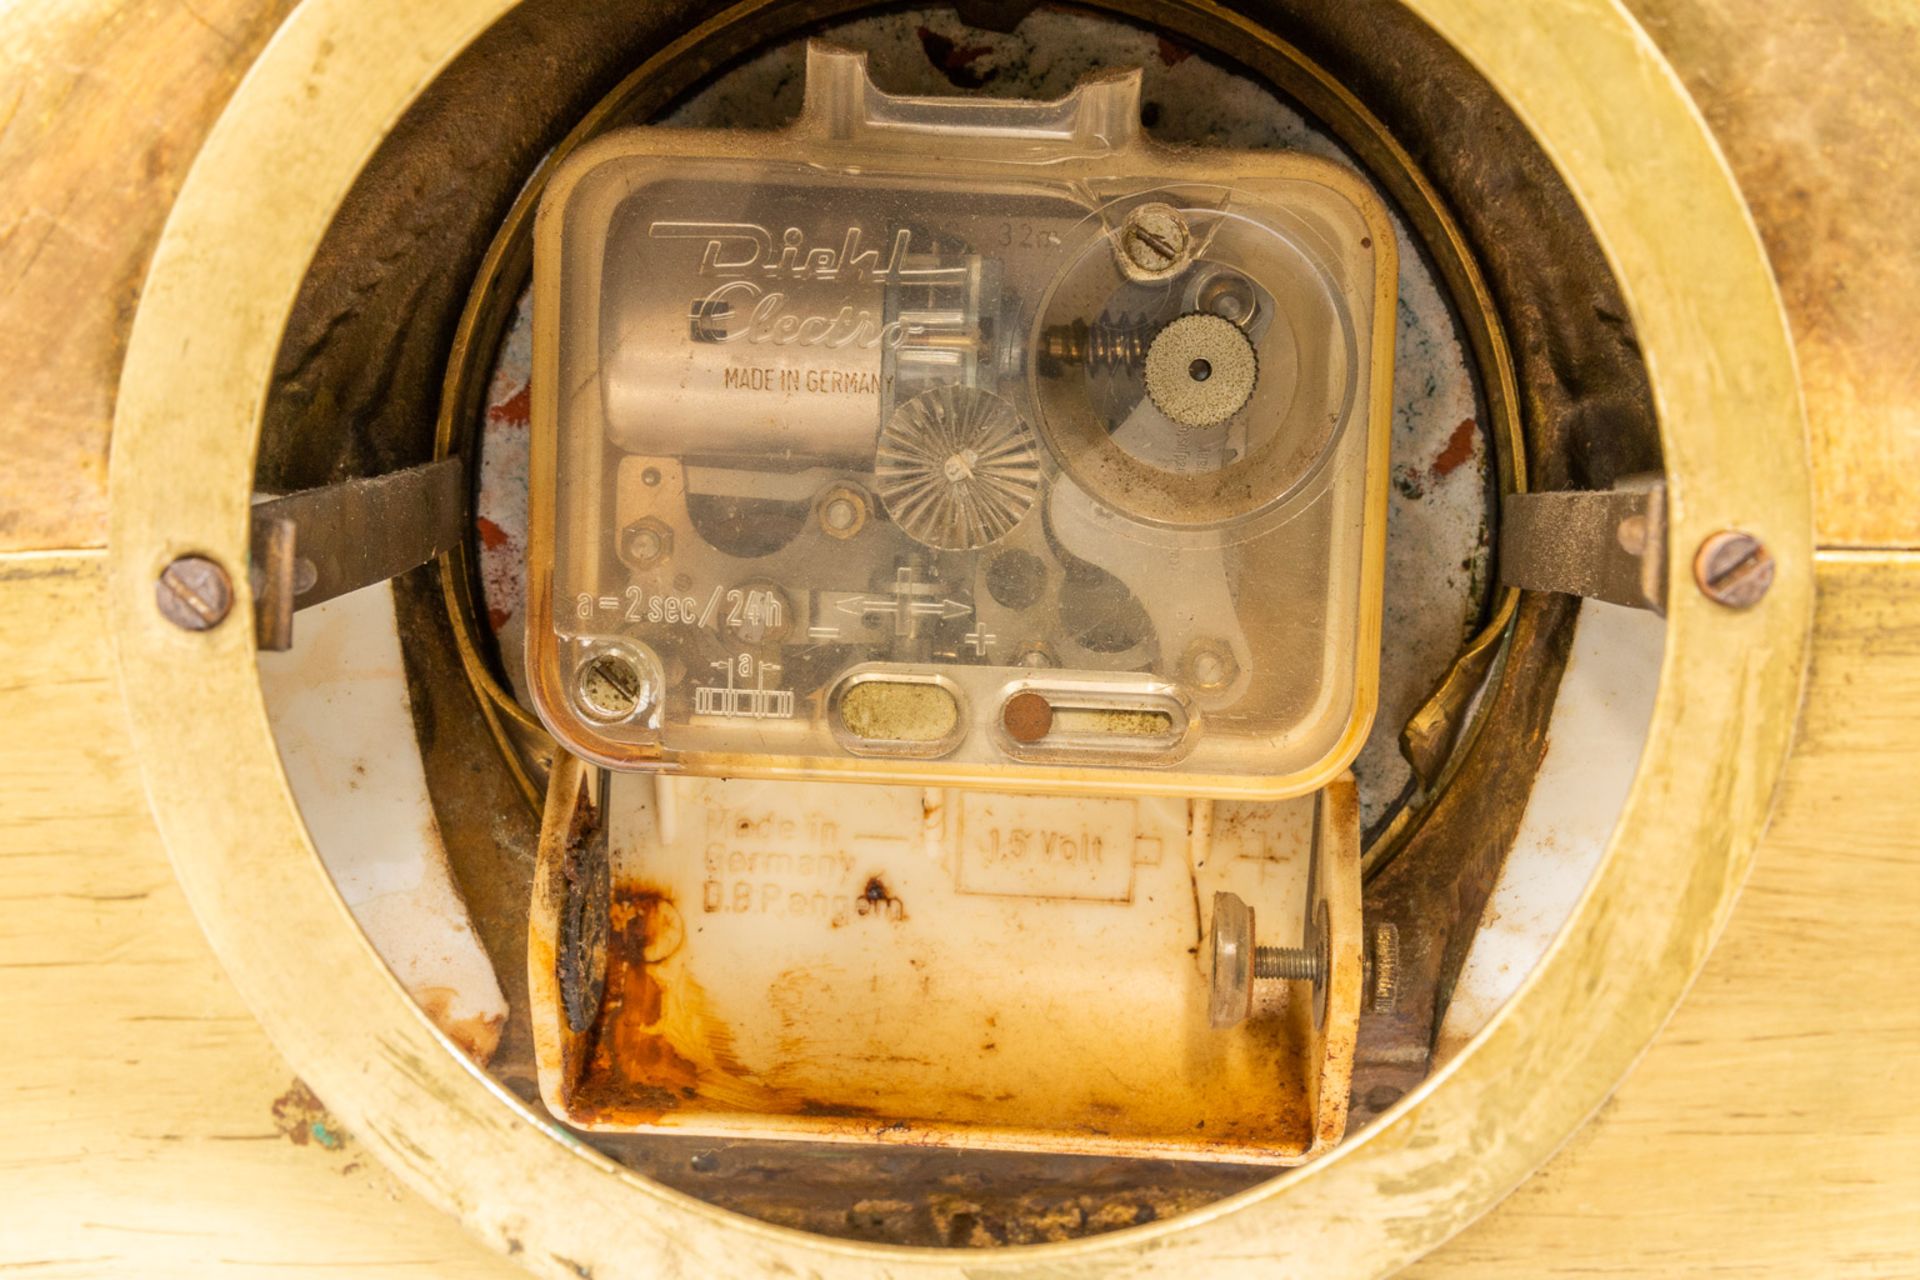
(1155, 238)
(1733, 569)
(194, 593)
(611, 686)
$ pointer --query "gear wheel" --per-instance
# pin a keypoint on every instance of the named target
(956, 468)
(1201, 369)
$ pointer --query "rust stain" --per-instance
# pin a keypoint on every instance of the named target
(875, 900)
(1232, 822)
(955, 61)
(661, 1055)
(478, 1036)
(631, 1065)
(654, 1046)
(1460, 446)
(644, 1000)
(1171, 54)
(516, 408)
(492, 536)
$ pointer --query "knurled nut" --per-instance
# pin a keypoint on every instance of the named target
(1165, 387)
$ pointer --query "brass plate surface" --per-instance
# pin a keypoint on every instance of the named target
(103, 104)
(1708, 318)
(1814, 103)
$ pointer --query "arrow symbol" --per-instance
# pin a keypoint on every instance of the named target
(861, 606)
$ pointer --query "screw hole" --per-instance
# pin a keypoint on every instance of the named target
(1200, 370)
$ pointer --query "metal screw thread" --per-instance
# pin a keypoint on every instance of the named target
(1380, 969)
(1107, 345)
(1293, 964)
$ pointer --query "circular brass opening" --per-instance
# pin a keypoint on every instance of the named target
(1128, 1189)
(241, 238)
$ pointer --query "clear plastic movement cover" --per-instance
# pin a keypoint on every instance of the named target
(964, 440)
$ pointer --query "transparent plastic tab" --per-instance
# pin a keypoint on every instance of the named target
(961, 441)
(843, 105)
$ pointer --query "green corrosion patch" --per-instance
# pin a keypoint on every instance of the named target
(304, 1121)
(899, 711)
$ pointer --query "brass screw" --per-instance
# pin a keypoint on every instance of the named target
(1733, 569)
(194, 593)
(610, 687)
(1155, 239)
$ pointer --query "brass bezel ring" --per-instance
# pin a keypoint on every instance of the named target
(1593, 90)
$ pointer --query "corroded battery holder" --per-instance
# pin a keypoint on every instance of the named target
(937, 966)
